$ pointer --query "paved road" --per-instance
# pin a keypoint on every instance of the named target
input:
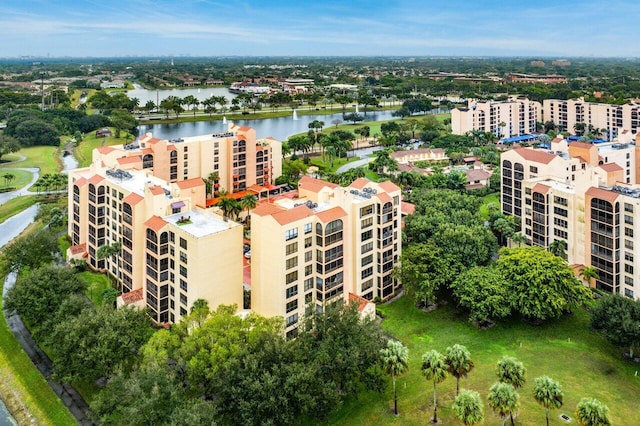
(6, 196)
(364, 154)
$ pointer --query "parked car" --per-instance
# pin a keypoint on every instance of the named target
(248, 254)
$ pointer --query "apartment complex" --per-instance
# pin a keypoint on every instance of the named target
(584, 195)
(236, 157)
(329, 244)
(513, 117)
(173, 252)
(606, 121)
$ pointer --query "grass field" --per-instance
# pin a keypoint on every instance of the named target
(15, 206)
(83, 151)
(25, 388)
(45, 157)
(582, 361)
(486, 200)
(96, 283)
(21, 178)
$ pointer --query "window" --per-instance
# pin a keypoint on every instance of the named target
(560, 200)
(183, 285)
(308, 256)
(291, 234)
(628, 256)
(308, 270)
(628, 219)
(628, 244)
(293, 319)
(183, 271)
(308, 242)
(292, 306)
(628, 292)
(367, 285)
(183, 243)
(367, 235)
(628, 207)
(291, 248)
(183, 257)
(366, 222)
(307, 228)
(308, 284)
(367, 260)
(292, 262)
(366, 210)
(367, 247)
(292, 291)
(533, 169)
(291, 277)
(183, 299)
(628, 269)
(628, 232)
(560, 212)
(367, 272)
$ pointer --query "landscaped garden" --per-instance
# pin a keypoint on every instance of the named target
(565, 349)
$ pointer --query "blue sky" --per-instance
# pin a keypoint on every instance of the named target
(320, 27)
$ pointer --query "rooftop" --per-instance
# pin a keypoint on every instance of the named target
(200, 224)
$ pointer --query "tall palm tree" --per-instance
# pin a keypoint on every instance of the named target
(228, 206)
(588, 273)
(249, 202)
(591, 412)
(111, 251)
(192, 102)
(547, 392)
(557, 248)
(468, 408)
(459, 363)
(434, 368)
(149, 106)
(519, 238)
(504, 401)
(395, 359)
(8, 177)
(511, 371)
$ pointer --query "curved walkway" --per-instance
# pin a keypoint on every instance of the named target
(6, 196)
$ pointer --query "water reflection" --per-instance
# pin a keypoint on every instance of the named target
(144, 95)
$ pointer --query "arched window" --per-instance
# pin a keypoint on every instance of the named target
(152, 236)
(506, 164)
(147, 161)
(318, 228)
(126, 208)
(174, 157)
(334, 226)
(164, 238)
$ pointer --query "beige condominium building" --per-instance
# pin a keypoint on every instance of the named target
(237, 158)
(606, 121)
(514, 117)
(173, 252)
(584, 195)
(331, 243)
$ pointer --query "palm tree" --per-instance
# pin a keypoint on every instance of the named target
(547, 393)
(249, 202)
(591, 412)
(434, 368)
(588, 273)
(511, 371)
(395, 358)
(192, 102)
(111, 251)
(8, 177)
(503, 400)
(149, 106)
(227, 205)
(468, 408)
(557, 248)
(519, 238)
(459, 364)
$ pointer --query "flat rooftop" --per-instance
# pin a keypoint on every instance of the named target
(137, 181)
(560, 186)
(200, 224)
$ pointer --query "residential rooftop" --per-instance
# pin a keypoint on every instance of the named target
(200, 224)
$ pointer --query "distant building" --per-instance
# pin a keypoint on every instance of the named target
(115, 84)
(421, 154)
(513, 117)
(561, 63)
(537, 63)
(532, 78)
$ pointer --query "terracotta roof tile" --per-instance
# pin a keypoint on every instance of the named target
(267, 209)
(190, 183)
(171, 148)
(132, 199)
(156, 190)
(147, 151)
(315, 185)
(129, 160)
(156, 223)
(359, 183)
(611, 167)
(132, 296)
(578, 144)
(602, 194)
(477, 174)
(105, 149)
(96, 179)
(389, 186)
(407, 208)
(360, 301)
(329, 215)
(535, 155)
(384, 197)
(80, 182)
(153, 141)
(292, 215)
(77, 249)
(541, 188)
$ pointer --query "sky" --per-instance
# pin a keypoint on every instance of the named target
(110, 28)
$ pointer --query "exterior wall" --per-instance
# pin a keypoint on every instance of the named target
(519, 115)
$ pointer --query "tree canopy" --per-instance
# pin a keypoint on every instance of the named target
(618, 319)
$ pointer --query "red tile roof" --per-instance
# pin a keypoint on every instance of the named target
(244, 128)
(384, 197)
(156, 223)
(129, 160)
(96, 179)
(407, 208)
(267, 209)
(132, 199)
(190, 183)
(153, 141)
(578, 144)
(171, 148)
(331, 214)
(105, 149)
(292, 215)
(315, 185)
(156, 190)
(132, 296)
(359, 183)
(389, 186)
(477, 174)
(77, 249)
(535, 155)
(541, 188)
(610, 167)
(360, 301)
(602, 194)
(80, 182)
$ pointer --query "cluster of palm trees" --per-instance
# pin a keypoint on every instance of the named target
(8, 178)
(50, 182)
(231, 208)
(176, 105)
(503, 397)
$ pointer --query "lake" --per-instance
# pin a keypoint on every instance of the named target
(280, 128)
(5, 417)
(157, 96)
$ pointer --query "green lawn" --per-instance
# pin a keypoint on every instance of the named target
(45, 157)
(8, 158)
(24, 386)
(486, 200)
(582, 361)
(15, 206)
(96, 283)
(21, 178)
(83, 152)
